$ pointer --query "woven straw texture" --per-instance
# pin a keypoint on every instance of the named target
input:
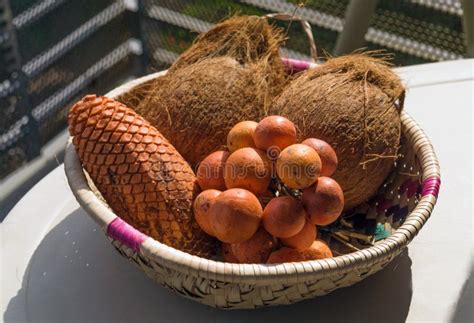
(407, 199)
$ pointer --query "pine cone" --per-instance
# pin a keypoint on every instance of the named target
(139, 173)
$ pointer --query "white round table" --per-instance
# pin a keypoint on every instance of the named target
(58, 267)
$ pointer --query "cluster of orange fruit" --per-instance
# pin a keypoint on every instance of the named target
(264, 197)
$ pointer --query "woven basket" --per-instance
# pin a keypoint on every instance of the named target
(407, 198)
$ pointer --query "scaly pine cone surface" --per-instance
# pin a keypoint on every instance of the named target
(140, 174)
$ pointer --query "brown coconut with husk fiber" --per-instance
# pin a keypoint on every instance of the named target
(230, 74)
(247, 39)
(352, 102)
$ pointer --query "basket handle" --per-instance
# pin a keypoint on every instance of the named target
(306, 27)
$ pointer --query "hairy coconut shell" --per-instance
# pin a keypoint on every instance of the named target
(246, 39)
(352, 102)
(138, 172)
(230, 74)
(200, 103)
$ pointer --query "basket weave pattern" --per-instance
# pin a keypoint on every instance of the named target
(228, 295)
(409, 194)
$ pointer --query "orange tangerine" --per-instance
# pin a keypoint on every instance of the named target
(210, 173)
(236, 215)
(274, 132)
(201, 205)
(248, 168)
(256, 250)
(324, 201)
(326, 153)
(284, 216)
(318, 250)
(285, 254)
(298, 166)
(241, 135)
(303, 239)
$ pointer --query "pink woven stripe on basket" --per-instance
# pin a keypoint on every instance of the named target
(120, 230)
(431, 186)
(295, 64)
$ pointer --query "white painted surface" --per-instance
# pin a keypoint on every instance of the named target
(57, 267)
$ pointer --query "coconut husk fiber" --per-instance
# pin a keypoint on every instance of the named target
(247, 39)
(200, 103)
(230, 74)
(353, 102)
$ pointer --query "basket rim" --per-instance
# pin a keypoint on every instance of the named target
(285, 273)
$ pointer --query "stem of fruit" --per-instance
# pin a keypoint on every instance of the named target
(338, 237)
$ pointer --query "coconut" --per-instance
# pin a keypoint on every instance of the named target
(201, 102)
(352, 102)
(230, 74)
(134, 96)
(244, 38)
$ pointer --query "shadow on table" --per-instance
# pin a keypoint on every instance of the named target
(75, 274)
(463, 311)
